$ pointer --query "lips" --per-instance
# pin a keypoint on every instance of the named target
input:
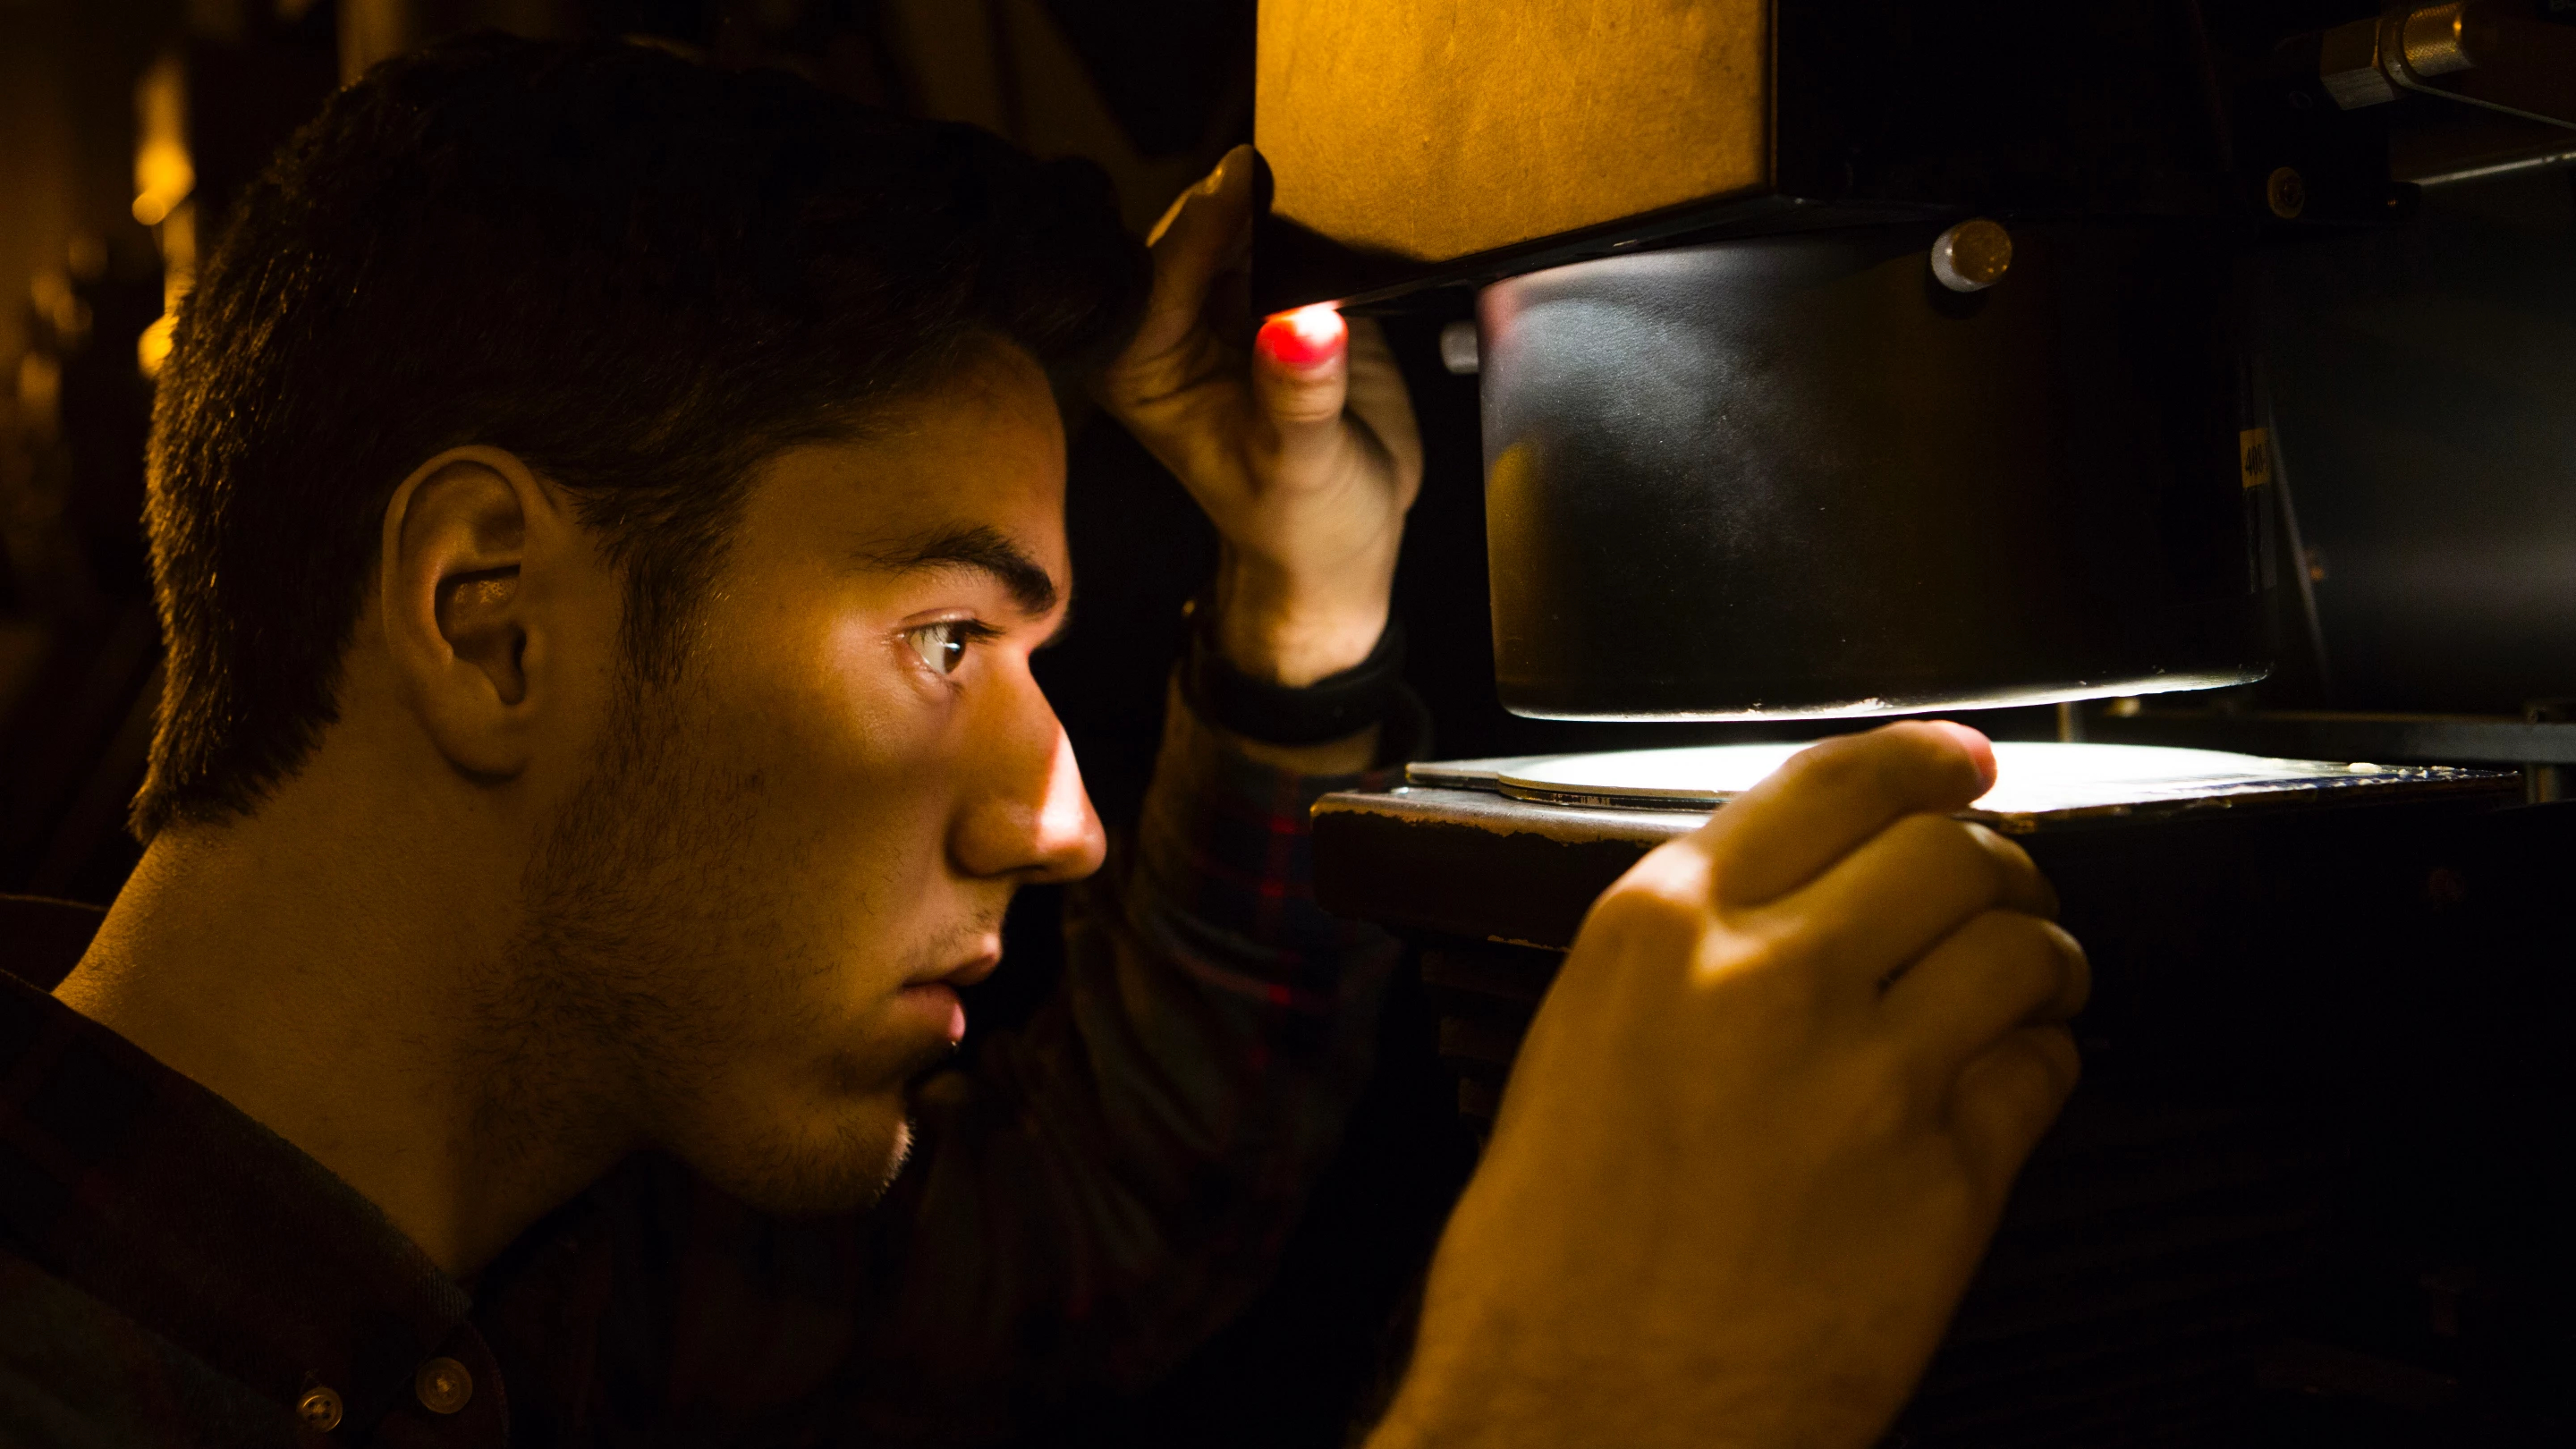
(964, 973)
(930, 997)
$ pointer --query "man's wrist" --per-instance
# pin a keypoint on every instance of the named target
(1294, 632)
(1338, 708)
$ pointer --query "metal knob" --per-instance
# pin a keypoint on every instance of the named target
(1972, 256)
(2367, 62)
(2436, 39)
(1458, 348)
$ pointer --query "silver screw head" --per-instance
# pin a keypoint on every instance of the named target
(2285, 193)
(1972, 256)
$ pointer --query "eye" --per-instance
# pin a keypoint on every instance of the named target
(942, 646)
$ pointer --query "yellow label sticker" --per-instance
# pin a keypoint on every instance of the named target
(2254, 456)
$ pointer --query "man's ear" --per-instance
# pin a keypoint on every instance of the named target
(460, 621)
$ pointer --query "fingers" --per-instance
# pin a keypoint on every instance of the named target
(1231, 175)
(1905, 890)
(1198, 238)
(1999, 973)
(2005, 1100)
(1814, 810)
(1380, 402)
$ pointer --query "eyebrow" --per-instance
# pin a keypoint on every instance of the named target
(981, 549)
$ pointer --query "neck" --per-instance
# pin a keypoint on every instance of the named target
(343, 997)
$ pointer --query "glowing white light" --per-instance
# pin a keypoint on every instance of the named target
(2031, 777)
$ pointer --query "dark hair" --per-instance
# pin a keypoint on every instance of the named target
(638, 274)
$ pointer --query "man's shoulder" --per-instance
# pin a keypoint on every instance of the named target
(77, 1374)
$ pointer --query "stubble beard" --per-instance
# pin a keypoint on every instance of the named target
(619, 1008)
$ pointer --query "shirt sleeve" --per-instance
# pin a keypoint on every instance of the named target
(1102, 1189)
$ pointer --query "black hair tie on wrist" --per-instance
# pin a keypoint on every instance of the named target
(1334, 707)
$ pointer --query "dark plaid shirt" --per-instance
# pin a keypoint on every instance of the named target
(1089, 1198)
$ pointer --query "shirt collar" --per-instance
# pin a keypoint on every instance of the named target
(159, 1198)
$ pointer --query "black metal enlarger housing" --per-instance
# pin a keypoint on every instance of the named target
(1794, 474)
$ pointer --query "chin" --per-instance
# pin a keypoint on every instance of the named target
(838, 1162)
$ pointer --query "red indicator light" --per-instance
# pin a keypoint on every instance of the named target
(1306, 338)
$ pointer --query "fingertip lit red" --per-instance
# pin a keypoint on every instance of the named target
(1307, 337)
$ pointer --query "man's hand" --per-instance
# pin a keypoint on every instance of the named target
(1763, 1124)
(1300, 445)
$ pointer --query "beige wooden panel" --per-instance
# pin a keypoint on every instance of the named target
(1440, 128)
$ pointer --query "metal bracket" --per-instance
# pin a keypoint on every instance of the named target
(2400, 69)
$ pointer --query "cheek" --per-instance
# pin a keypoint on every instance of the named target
(857, 768)
(861, 728)
(859, 773)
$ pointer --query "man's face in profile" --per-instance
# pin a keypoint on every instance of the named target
(763, 898)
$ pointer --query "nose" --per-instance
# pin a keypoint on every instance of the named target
(1029, 818)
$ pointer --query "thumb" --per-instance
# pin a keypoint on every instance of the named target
(1301, 373)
